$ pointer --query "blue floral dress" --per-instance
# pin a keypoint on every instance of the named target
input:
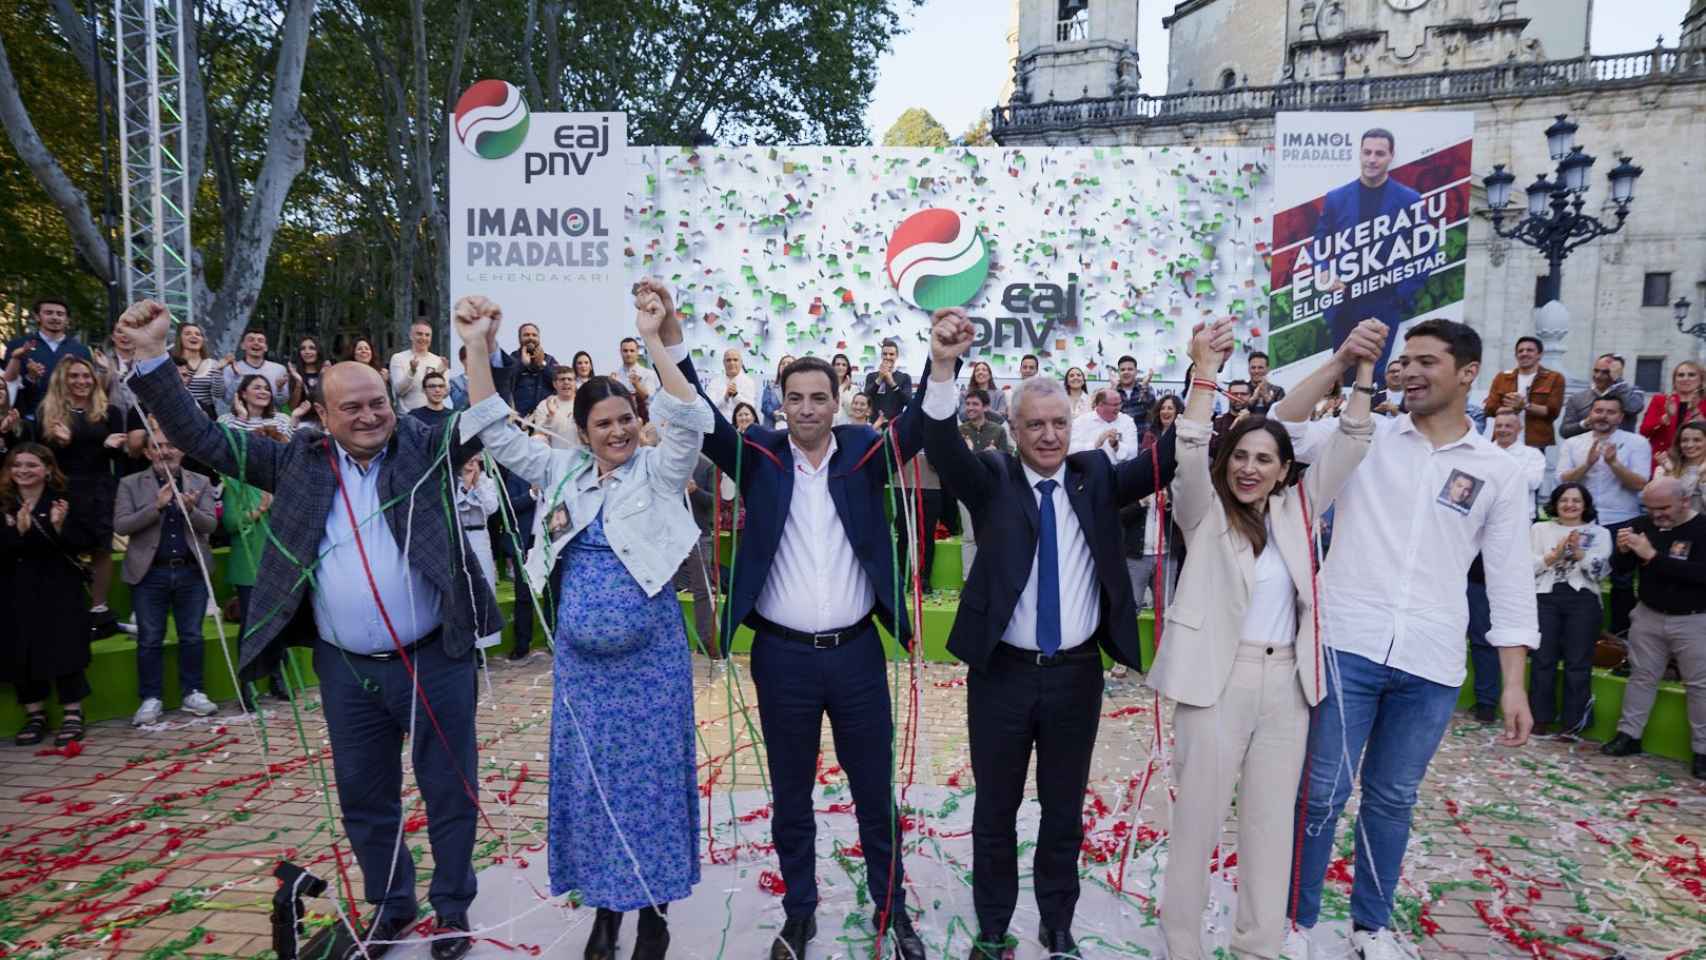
(623, 711)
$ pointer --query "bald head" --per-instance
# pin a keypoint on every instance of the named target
(355, 409)
(1667, 500)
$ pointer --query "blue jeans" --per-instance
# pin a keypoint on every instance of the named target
(1390, 722)
(180, 592)
(1483, 655)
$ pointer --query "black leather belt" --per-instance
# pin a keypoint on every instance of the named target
(466, 526)
(1674, 613)
(1082, 652)
(410, 649)
(173, 562)
(822, 639)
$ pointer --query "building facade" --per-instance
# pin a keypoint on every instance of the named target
(1493, 57)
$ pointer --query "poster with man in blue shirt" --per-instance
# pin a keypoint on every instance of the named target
(1390, 244)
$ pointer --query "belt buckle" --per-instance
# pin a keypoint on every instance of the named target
(834, 640)
(383, 655)
(1047, 659)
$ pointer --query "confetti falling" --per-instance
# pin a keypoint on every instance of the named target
(160, 843)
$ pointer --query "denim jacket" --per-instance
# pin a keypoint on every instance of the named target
(646, 516)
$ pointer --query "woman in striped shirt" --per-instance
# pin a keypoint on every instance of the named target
(191, 351)
(253, 410)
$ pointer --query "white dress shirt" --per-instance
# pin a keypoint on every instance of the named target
(1615, 502)
(647, 376)
(746, 391)
(1080, 597)
(408, 385)
(1582, 573)
(1087, 431)
(816, 583)
(1395, 583)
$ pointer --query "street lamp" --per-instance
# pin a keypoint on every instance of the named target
(1555, 223)
(1680, 310)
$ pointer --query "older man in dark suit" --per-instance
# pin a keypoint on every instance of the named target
(1047, 592)
(392, 632)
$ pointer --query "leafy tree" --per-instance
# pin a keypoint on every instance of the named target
(977, 135)
(916, 128)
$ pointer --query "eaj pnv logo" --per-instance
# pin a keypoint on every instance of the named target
(491, 119)
(936, 259)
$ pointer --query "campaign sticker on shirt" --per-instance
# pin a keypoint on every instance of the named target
(1460, 492)
(1680, 549)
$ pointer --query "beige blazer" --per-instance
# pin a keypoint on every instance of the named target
(1203, 625)
(134, 516)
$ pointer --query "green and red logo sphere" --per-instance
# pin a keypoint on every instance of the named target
(491, 119)
(936, 259)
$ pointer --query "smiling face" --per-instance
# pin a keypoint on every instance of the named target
(1527, 355)
(860, 409)
(1691, 443)
(1605, 416)
(808, 398)
(1255, 467)
(564, 383)
(612, 431)
(1431, 378)
(1258, 369)
(731, 363)
(1462, 488)
(1571, 505)
(974, 410)
(583, 366)
(254, 347)
(420, 337)
(357, 409)
(1075, 379)
(1042, 430)
(744, 417)
(363, 352)
(28, 471)
(1506, 428)
(1107, 405)
(308, 351)
(1028, 367)
(982, 377)
(79, 380)
(257, 396)
(1685, 379)
(53, 318)
(1167, 412)
(436, 390)
(1375, 160)
(190, 338)
(1602, 373)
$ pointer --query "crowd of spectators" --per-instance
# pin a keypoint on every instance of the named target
(1615, 478)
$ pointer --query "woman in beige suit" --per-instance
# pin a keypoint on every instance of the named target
(1241, 652)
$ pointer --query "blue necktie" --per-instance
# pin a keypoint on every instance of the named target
(1048, 574)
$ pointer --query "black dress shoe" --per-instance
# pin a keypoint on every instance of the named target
(1059, 943)
(450, 948)
(986, 947)
(790, 944)
(908, 945)
(1486, 714)
(1698, 768)
(1622, 745)
(519, 654)
(606, 928)
(377, 938)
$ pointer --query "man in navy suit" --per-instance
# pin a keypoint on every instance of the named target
(1047, 593)
(812, 577)
(1372, 194)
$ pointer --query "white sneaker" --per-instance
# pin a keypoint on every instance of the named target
(1317, 943)
(128, 626)
(197, 703)
(148, 713)
(1380, 944)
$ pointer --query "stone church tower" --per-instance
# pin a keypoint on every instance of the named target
(1067, 49)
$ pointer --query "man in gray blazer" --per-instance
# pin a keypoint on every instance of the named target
(167, 513)
(392, 631)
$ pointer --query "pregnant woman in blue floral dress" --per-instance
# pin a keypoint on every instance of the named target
(615, 526)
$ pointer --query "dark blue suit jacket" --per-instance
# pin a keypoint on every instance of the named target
(858, 482)
(1340, 210)
(993, 487)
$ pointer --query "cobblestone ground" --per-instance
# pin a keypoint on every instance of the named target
(159, 842)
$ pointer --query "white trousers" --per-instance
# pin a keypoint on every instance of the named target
(1254, 737)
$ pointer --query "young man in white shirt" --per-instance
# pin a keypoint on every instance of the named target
(1431, 494)
(254, 362)
(1614, 465)
(1104, 427)
(642, 379)
(409, 367)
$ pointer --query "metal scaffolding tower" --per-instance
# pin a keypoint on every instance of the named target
(154, 152)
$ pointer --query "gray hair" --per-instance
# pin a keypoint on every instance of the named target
(1666, 488)
(1036, 387)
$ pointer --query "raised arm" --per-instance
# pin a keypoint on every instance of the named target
(251, 458)
(972, 478)
(686, 417)
(1193, 487)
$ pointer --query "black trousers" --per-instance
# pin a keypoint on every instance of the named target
(521, 613)
(367, 707)
(1013, 707)
(1569, 628)
(797, 684)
